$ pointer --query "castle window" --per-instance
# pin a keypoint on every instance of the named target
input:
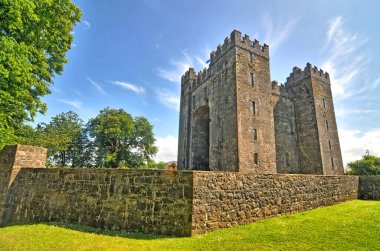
(205, 94)
(252, 79)
(329, 144)
(250, 57)
(193, 102)
(287, 159)
(255, 134)
(256, 158)
(254, 108)
(324, 103)
(327, 124)
(332, 161)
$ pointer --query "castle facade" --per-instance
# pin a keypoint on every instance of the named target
(234, 118)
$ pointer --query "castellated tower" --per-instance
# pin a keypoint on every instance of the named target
(306, 132)
(232, 118)
(226, 115)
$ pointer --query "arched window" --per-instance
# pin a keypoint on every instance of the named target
(201, 139)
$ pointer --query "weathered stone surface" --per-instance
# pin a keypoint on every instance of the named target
(369, 187)
(12, 159)
(312, 145)
(225, 199)
(149, 201)
(209, 143)
(181, 203)
(254, 125)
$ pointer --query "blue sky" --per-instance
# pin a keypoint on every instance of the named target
(131, 55)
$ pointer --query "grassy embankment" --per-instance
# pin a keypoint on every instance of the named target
(352, 225)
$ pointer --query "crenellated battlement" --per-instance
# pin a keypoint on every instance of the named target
(236, 39)
(309, 70)
(280, 89)
(195, 79)
(189, 75)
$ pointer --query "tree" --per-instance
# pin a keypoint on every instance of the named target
(121, 140)
(368, 165)
(34, 38)
(66, 140)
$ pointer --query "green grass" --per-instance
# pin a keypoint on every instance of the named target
(353, 225)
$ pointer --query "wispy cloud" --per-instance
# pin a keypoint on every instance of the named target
(86, 24)
(74, 103)
(132, 87)
(181, 65)
(376, 83)
(168, 98)
(97, 86)
(278, 33)
(345, 61)
(78, 93)
(354, 143)
(343, 112)
(167, 148)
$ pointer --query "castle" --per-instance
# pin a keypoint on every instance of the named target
(234, 118)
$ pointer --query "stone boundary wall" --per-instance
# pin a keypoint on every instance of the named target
(12, 159)
(369, 187)
(223, 199)
(150, 201)
(181, 203)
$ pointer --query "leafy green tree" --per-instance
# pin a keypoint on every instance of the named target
(121, 140)
(26, 134)
(144, 138)
(368, 165)
(161, 165)
(34, 38)
(66, 140)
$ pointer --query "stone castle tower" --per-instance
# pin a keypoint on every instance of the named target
(233, 118)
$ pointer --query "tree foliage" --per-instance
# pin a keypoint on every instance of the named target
(120, 139)
(368, 165)
(34, 38)
(66, 140)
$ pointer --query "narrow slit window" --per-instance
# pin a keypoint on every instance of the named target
(252, 79)
(329, 144)
(255, 134)
(287, 159)
(324, 103)
(251, 57)
(332, 161)
(253, 107)
(327, 124)
(256, 158)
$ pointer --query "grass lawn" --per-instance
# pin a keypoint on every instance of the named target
(353, 225)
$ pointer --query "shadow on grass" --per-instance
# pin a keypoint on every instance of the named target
(109, 232)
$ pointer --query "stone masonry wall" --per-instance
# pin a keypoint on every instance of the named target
(256, 138)
(180, 203)
(212, 90)
(369, 187)
(223, 199)
(310, 161)
(12, 159)
(149, 201)
(327, 128)
(287, 151)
